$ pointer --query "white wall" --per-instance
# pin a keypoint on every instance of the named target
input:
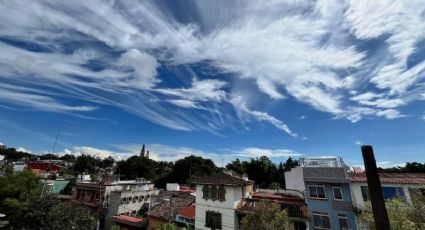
(294, 179)
(172, 187)
(226, 208)
(356, 192)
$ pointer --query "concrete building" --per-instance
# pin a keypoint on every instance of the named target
(113, 196)
(325, 183)
(394, 185)
(130, 201)
(217, 198)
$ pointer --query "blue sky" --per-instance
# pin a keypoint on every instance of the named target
(220, 79)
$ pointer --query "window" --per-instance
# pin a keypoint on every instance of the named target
(337, 193)
(365, 192)
(205, 192)
(317, 191)
(141, 198)
(343, 223)
(213, 193)
(129, 199)
(388, 192)
(321, 220)
(123, 200)
(135, 199)
(213, 220)
(221, 193)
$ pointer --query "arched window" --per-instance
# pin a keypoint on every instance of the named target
(213, 192)
(206, 192)
(221, 193)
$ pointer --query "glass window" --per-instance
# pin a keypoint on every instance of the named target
(317, 191)
(388, 192)
(321, 220)
(213, 193)
(343, 223)
(337, 193)
(213, 220)
(221, 193)
(365, 192)
(205, 192)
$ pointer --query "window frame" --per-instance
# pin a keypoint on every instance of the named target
(341, 216)
(212, 223)
(321, 214)
(317, 194)
(341, 190)
(206, 192)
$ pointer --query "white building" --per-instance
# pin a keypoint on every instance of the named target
(393, 185)
(172, 187)
(130, 201)
(217, 198)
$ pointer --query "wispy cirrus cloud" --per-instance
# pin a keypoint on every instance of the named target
(350, 59)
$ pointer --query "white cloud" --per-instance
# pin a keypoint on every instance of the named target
(271, 153)
(358, 142)
(144, 65)
(22, 149)
(301, 50)
(242, 110)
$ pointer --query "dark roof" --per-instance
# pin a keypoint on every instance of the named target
(176, 203)
(223, 178)
(277, 197)
(392, 178)
(295, 210)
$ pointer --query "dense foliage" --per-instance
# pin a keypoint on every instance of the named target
(411, 167)
(267, 215)
(25, 208)
(263, 171)
(183, 171)
(401, 214)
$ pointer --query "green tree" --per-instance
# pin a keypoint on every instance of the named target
(236, 166)
(137, 166)
(401, 215)
(267, 215)
(67, 216)
(190, 168)
(86, 163)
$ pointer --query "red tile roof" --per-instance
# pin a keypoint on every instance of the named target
(131, 219)
(187, 212)
(43, 166)
(223, 178)
(392, 178)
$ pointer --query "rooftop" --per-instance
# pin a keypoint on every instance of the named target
(176, 203)
(187, 212)
(225, 179)
(392, 178)
(276, 197)
(322, 162)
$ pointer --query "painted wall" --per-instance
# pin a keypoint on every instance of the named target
(326, 206)
(226, 208)
(358, 197)
(294, 179)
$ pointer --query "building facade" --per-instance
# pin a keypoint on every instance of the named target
(394, 185)
(217, 198)
(325, 183)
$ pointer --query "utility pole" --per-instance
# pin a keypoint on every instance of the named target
(379, 210)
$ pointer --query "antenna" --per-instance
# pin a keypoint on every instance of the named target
(50, 163)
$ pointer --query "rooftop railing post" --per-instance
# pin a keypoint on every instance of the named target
(379, 210)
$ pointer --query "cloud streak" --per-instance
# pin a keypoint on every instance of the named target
(349, 59)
